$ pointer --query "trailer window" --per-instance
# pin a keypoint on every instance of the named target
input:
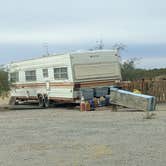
(14, 77)
(30, 75)
(60, 73)
(45, 73)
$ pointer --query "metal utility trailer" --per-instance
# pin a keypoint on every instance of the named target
(132, 100)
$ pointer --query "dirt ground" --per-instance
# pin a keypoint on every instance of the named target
(67, 137)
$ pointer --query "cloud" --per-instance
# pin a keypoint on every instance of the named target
(70, 23)
(109, 31)
(75, 20)
(152, 62)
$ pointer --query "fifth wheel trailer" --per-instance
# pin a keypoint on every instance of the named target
(64, 77)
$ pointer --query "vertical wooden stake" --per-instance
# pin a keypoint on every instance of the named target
(114, 108)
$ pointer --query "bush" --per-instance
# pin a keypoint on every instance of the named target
(4, 84)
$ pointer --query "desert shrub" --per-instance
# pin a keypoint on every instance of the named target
(4, 84)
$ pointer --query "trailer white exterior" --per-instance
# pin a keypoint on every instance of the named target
(61, 77)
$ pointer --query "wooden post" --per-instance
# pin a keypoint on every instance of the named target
(114, 108)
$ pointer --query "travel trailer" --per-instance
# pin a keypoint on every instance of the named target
(64, 77)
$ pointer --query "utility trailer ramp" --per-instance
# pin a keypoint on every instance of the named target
(132, 100)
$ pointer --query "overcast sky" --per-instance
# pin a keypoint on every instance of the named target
(68, 25)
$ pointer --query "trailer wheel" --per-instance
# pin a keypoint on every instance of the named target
(46, 102)
(41, 101)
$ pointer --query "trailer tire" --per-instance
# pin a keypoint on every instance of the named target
(41, 101)
(46, 101)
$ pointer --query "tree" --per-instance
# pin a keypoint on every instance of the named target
(128, 70)
(4, 85)
(119, 46)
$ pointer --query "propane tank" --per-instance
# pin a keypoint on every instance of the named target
(95, 102)
(102, 101)
(92, 105)
(107, 100)
(82, 104)
(87, 106)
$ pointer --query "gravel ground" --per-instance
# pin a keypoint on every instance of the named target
(67, 137)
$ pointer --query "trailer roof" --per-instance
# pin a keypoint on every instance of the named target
(69, 53)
